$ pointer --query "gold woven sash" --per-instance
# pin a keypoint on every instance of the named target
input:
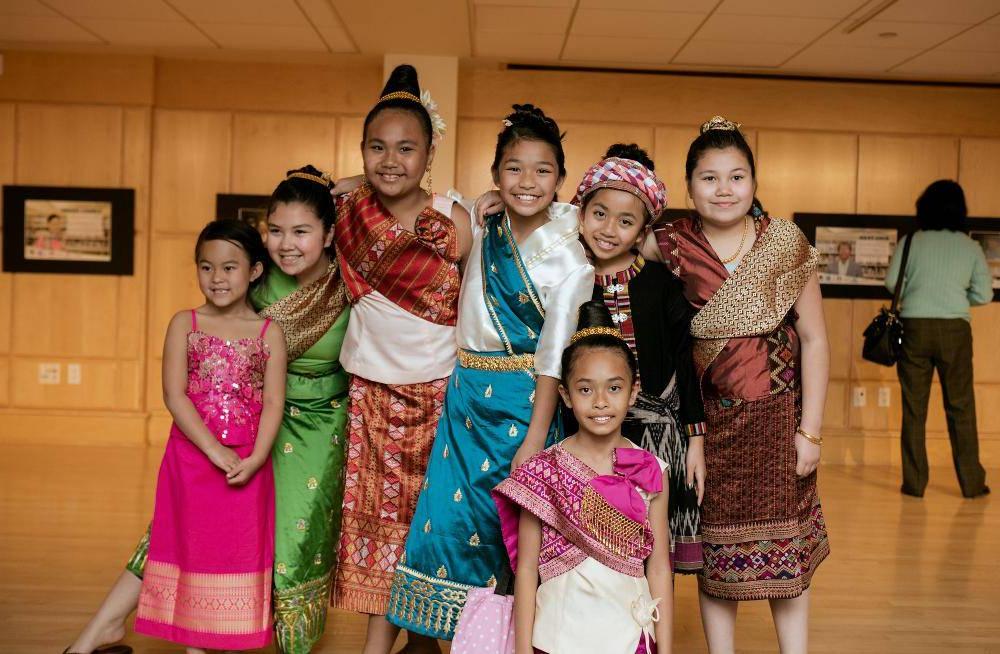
(758, 295)
(306, 314)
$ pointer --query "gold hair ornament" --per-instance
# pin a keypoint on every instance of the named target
(323, 179)
(596, 331)
(438, 126)
(720, 123)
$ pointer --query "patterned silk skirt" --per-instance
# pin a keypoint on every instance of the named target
(308, 457)
(207, 579)
(391, 431)
(455, 543)
(762, 525)
(663, 437)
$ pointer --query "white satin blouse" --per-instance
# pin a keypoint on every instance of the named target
(563, 278)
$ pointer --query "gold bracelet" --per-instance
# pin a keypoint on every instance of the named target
(815, 440)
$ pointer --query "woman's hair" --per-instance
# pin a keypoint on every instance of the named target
(595, 314)
(528, 122)
(720, 139)
(239, 234)
(942, 206)
(403, 79)
(312, 189)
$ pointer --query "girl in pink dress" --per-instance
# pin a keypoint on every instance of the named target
(208, 575)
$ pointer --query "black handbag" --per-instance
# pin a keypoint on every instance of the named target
(884, 336)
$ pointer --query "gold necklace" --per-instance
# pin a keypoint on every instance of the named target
(746, 228)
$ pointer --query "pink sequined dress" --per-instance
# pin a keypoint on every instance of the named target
(208, 577)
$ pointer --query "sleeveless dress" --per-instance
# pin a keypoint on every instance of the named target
(207, 579)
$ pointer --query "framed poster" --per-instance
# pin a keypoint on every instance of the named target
(50, 229)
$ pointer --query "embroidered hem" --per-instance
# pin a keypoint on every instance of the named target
(431, 605)
(300, 615)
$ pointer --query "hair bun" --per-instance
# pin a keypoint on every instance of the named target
(632, 152)
(403, 78)
(529, 114)
(311, 173)
(594, 313)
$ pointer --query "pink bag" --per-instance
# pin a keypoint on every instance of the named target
(486, 625)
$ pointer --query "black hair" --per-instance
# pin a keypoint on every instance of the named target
(632, 152)
(942, 206)
(313, 193)
(240, 234)
(52, 216)
(402, 79)
(529, 122)
(595, 314)
(720, 139)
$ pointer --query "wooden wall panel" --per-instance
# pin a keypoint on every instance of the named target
(172, 259)
(266, 146)
(4, 381)
(839, 316)
(477, 141)
(669, 154)
(350, 130)
(191, 162)
(808, 172)
(585, 144)
(69, 145)
(7, 149)
(136, 153)
(101, 385)
(894, 170)
(985, 353)
(978, 172)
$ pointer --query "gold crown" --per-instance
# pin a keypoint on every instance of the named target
(596, 331)
(324, 179)
(718, 122)
(399, 95)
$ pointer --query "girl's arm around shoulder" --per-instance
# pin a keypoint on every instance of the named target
(529, 544)
(175, 381)
(272, 411)
(658, 572)
(463, 230)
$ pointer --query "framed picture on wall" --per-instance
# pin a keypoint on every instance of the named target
(251, 209)
(854, 251)
(50, 229)
(986, 232)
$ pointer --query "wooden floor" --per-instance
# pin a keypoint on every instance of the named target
(906, 575)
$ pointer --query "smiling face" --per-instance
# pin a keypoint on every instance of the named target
(396, 153)
(612, 224)
(599, 390)
(297, 240)
(225, 273)
(528, 177)
(721, 186)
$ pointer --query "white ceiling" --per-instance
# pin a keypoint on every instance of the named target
(939, 40)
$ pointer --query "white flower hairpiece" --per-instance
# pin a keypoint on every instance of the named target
(507, 122)
(438, 125)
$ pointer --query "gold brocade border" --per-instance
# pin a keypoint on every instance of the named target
(766, 588)
(300, 615)
(420, 601)
(509, 363)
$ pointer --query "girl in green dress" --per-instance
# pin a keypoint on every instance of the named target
(304, 294)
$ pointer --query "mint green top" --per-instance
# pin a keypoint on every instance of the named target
(945, 275)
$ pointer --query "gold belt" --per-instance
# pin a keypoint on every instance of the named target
(504, 363)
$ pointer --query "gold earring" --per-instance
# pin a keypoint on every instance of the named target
(430, 182)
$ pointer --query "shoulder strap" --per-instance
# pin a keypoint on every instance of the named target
(263, 330)
(194, 321)
(902, 271)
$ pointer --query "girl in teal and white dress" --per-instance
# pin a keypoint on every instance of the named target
(526, 277)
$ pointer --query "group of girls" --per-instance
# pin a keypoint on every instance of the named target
(405, 369)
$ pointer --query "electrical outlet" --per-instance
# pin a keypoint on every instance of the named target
(859, 397)
(73, 374)
(49, 373)
(884, 396)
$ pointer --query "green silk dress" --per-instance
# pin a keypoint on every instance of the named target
(308, 459)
